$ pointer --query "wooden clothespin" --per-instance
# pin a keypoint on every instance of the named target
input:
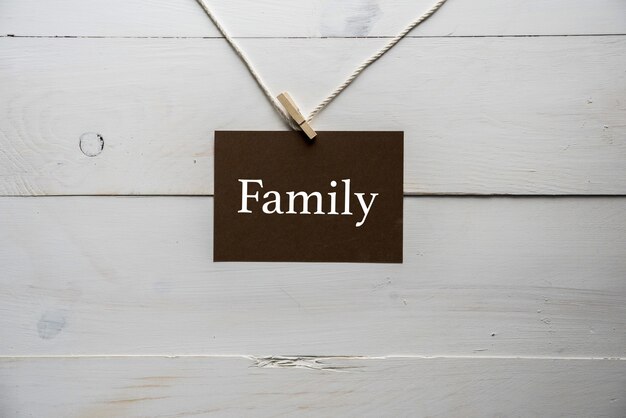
(295, 114)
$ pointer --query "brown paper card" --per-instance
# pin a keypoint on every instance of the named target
(366, 169)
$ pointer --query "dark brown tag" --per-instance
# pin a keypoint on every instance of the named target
(279, 197)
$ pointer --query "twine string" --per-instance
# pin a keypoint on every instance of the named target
(358, 71)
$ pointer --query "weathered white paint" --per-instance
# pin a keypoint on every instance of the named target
(481, 277)
(481, 115)
(235, 387)
(485, 279)
(311, 18)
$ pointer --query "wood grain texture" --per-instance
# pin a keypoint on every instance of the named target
(235, 387)
(481, 115)
(522, 300)
(306, 18)
(482, 277)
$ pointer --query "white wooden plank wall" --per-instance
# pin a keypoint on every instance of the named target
(311, 18)
(236, 387)
(507, 306)
(548, 272)
(481, 115)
